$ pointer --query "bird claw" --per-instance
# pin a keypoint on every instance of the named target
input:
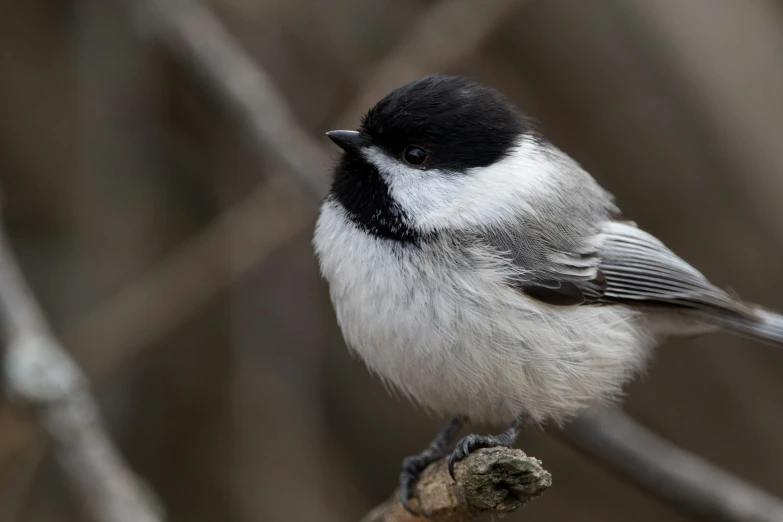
(471, 443)
(411, 471)
(406, 492)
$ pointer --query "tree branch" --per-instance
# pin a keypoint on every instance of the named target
(447, 34)
(191, 33)
(39, 376)
(492, 481)
(670, 473)
(115, 333)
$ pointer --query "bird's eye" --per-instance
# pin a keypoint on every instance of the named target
(414, 155)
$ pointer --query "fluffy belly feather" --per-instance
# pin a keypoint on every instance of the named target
(458, 340)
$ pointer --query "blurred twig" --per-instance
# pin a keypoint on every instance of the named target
(39, 376)
(670, 473)
(114, 333)
(445, 35)
(191, 33)
(490, 482)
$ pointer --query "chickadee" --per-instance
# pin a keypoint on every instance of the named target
(481, 272)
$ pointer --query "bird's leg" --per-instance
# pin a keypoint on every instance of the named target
(413, 466)
(472, 442)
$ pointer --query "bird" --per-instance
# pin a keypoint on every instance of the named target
(481, 272)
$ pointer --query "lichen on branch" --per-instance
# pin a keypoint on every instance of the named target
(491, 481)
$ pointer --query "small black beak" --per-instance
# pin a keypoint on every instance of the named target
(345, 139)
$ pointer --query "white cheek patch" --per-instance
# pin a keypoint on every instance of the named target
(420, 193)
(434, 199)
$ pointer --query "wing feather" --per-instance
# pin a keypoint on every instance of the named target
(625, 265)
(639, 268)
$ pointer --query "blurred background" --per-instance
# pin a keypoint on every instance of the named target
(192, 299)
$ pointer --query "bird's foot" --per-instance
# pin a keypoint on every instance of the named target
(411, 472)
(470, 443)
(413, 466)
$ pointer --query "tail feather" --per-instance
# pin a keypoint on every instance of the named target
(762, 325)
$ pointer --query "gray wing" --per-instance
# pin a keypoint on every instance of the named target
(638, 268)
(622, 265)
(574, 249)
(552, 265)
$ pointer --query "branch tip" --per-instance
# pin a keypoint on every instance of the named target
(492, 481)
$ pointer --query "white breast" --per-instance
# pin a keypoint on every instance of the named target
(451, 334)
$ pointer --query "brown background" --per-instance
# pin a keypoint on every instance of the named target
(112, 156)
